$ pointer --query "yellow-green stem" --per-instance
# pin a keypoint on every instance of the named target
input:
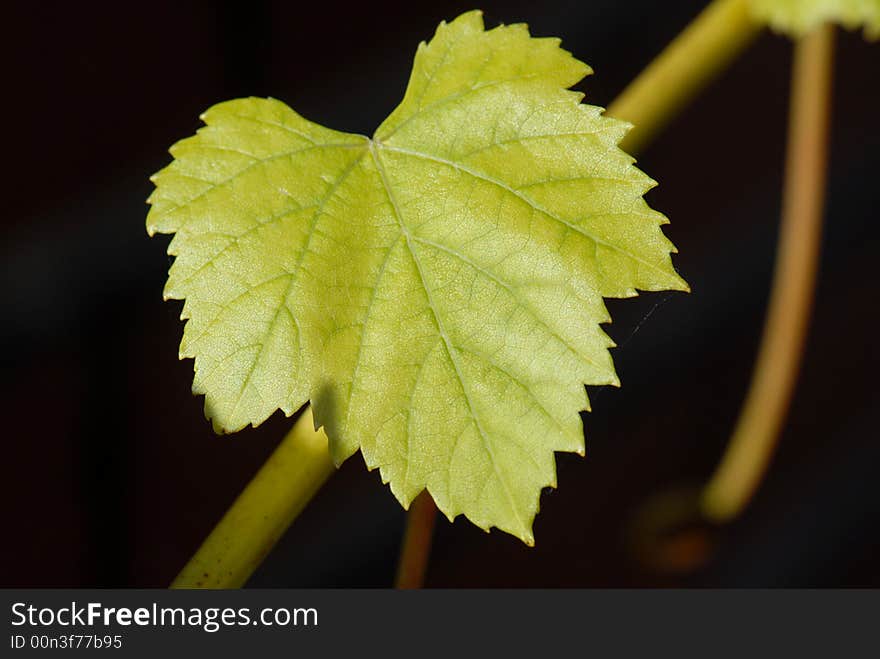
(754, 438)
(696, 56)
(263, 511)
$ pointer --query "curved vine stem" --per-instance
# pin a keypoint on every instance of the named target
(697, 56)
(416, 547)
(754, 437)
(263, 511)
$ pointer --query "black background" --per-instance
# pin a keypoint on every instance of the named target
(111, 474)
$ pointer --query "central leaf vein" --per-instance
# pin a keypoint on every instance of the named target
(450, 348)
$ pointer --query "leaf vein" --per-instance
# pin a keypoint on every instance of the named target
(450, 349)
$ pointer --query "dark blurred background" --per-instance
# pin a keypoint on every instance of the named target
(112, 476)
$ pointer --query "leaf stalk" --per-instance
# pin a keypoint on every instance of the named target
(416, 547)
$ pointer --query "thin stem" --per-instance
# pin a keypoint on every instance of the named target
(752, 444)
(700, 53)
(263, 511)
(416, 542)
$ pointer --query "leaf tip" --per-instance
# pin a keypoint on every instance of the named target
(679, 283)
(217, 427)
(472, 16)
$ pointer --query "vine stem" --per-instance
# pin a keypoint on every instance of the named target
(694, 58)
(263, 511)
(752, 444)
(416, 547)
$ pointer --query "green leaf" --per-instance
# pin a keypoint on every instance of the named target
(797, 17)
(435, 291)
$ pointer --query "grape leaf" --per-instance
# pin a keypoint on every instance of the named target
(797, 17)
(435, 291)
